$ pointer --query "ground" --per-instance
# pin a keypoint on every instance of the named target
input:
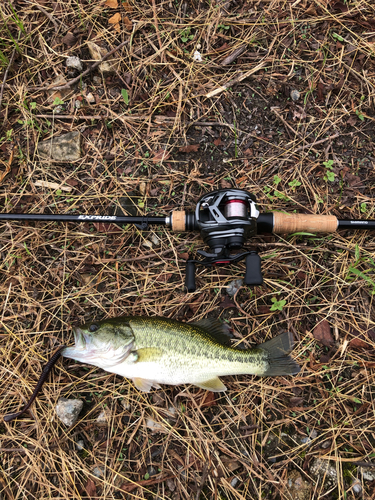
(290, 118)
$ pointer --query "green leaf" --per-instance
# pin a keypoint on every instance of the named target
(147, 475)
(328, 164)
(330, 176)
(358, 401)
(276, 180)
(57, 102)
(294, 183)
(338, 37)
(125, 96)
(277, 304)
(357, 254)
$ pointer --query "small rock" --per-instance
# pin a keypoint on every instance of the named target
(125, 404)
(368, 475)
(356, 487)
(299, 489)
(234, 482)
(323, 470)
(295, 95)
(68, 410)
(104, 418)
(197, 56)
(90, 98)
(63, 148)
(234, 286)
(147, 243)
(142, 188)
(326, 444)
(80, 445)
(97, 54)
(97, 80)
(58, 110)
(170, 484)
(74, 62)
(98, 472)
(155, 240)
(77, 104)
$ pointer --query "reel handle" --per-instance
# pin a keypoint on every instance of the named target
(190, 276)
(253, 274)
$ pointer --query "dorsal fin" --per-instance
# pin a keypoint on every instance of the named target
(216, 329)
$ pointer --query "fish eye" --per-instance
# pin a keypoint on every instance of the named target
(93, 327)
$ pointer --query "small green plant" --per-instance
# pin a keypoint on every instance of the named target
(363, 208)
(222, 27)
(337, 37)
(57, 102)
(329, 175)
(294, 184)
(186, 35)
(360, 115)
(125, 96)
(277, 304)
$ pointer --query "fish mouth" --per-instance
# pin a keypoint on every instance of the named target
(80, 348)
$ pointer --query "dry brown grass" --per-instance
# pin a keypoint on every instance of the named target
(57, 275)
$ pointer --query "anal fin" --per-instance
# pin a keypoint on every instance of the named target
(214, 385)
(145, 385)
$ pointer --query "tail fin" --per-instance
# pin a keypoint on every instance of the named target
(278, 349)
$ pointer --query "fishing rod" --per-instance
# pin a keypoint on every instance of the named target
(226, 219)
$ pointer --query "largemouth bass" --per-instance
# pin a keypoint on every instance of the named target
(153, 351)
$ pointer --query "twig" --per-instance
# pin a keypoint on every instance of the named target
(232, 57)
(39, 7)
(6, 76)
(310, 146)
(237, 79)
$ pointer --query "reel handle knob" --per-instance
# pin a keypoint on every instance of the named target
(190, 276)
(253, 275)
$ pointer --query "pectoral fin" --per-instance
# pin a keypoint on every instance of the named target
(214, 385)
(145, 385)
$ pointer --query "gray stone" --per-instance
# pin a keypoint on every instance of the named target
(74, 62)
(80, 444)
(356, 487)
(98, 472)
(367, 474)
(234, 482)
(66, 147)
(104, 418)
(234, 286)
(90, 98)
(68, 410)
(97, 54)
(322, 470)
(295, 95)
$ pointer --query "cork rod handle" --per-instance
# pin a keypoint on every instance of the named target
(178, 220)
(292, 223)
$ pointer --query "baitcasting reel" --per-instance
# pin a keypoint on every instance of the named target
(226, 219)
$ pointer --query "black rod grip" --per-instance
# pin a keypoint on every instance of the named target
(190, 276)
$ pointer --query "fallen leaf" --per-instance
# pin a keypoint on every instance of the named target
(126, 5)
(115, 20)
(128, 23)
(218, 142)
(189, 148)
(322, 333)
(69, 39)
(112, 4)
(160, 155)
(105, 227)
(90, 488)
(352, 120)
(358, 343)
